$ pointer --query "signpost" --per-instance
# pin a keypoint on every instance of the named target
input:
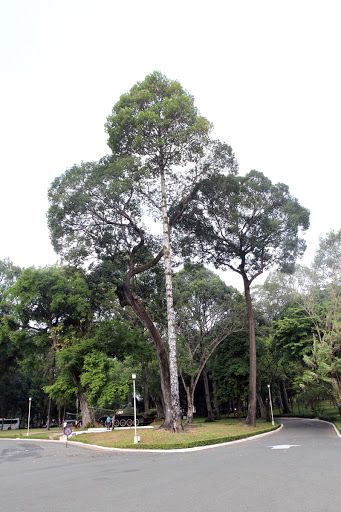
(67, 433)
(272, 414)
(136, 437)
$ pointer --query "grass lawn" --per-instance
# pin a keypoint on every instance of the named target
(338, 425)
(199, 434)
(35, 433)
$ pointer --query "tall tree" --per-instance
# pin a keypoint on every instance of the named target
(8, 350)
(290, 341)
(45, 301)
(157, 121)
(248, 225)
(97, 209)
(321, 299)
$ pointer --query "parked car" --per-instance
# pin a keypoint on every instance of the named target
(70, 423)
(52, 424)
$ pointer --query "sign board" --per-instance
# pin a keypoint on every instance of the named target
(68, 431)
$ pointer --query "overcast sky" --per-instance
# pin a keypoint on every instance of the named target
(265, 73)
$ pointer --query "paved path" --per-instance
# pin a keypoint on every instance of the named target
(296, 469)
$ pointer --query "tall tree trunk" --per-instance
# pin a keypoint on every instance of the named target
(88, 417)
(190, 396)
(126, 298)
(284, 395)
(176, 425)
(239, 408)
(252, 402)
(298, 406)
(49, 414)
(52, 377)
(190, 406)
(262, 407)
(210, 415)
(158, 402)
(215, 400)
(280, 403)
(145, 387)
(234, 409)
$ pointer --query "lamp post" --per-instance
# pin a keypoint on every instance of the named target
(272, 415)
(136, 437)
(29, 416)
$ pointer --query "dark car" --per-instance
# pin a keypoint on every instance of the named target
(52, 424)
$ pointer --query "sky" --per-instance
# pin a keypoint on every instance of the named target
(267, 74)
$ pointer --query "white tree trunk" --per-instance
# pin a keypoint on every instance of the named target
(173, 365)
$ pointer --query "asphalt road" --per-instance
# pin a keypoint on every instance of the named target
(295, 469)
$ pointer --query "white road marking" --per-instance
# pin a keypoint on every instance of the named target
(282, 446)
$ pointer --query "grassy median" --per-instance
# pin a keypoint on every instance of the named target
(199, 434)
(35, 433)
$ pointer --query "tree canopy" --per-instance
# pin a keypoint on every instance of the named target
(246, 224)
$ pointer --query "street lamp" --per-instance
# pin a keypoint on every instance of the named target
(29, 416)
(272, 415)
(136, 437)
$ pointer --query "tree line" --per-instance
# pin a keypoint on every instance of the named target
(168, 197)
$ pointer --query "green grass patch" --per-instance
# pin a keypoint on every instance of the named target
(46, 435)
(12, 434)
(338, 425)
(221, 431)
(38, 433)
